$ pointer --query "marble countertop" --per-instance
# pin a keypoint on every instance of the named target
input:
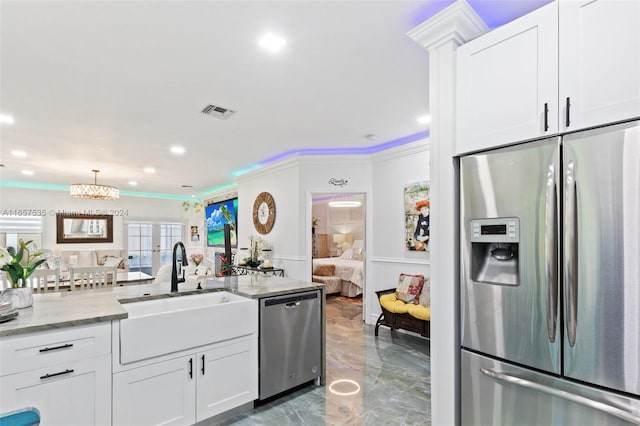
(71, 308)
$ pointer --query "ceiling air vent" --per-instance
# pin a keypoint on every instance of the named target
(218, 111)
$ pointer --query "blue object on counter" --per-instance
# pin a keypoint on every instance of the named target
(23, 417)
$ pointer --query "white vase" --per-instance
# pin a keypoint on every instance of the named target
(21, 297)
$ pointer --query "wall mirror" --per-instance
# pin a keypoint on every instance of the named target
(81, 228)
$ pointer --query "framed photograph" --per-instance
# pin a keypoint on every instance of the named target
(416, 213)
(82, 228)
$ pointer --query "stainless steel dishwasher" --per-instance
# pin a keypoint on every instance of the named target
(290, 341)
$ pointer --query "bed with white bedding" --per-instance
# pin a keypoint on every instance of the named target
(349, 268)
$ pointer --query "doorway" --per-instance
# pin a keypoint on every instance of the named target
(338, 241)
(149, 245)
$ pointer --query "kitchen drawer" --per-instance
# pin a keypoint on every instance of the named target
(37, 350)
(72, 393)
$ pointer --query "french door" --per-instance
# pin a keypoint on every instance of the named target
(150, 244)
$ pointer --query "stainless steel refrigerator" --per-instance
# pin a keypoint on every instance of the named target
(550, 281)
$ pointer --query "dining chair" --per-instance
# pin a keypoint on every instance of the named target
(164, 274)
(44, 280)
(90, 277)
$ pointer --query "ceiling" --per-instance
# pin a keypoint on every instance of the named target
(112, 85)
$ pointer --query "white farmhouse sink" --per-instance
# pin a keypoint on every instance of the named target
(162, 326)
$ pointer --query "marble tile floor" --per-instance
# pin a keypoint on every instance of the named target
(393, 372)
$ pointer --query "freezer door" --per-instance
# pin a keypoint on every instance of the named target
(498, 393)
(602, 256)
(515, 322)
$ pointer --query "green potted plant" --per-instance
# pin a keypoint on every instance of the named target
(18, 265)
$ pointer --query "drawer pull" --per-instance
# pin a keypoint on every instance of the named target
(55, 348)
(48, 376)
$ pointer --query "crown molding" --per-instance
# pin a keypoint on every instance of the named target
(402, 151)
(458, 23)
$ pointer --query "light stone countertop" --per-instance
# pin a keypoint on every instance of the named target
(71, 308)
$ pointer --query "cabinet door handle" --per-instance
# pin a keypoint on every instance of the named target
(60, 373)
(55, 348)
(203, 365)
(568, 112)
(546, 116)
(191, 368)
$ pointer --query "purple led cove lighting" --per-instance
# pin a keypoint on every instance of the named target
(494, 13)
(347, 151)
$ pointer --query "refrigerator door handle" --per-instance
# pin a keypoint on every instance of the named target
(571, 254)
(551, 254)
(609, 409)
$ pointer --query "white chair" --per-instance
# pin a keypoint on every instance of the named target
(44, 280)
(90, 277)
(164, 274)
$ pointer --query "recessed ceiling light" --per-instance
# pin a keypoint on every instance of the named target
(425, 119)
(6, 119)
(27, 172)
(272, 42)
(18, 153)
(177, 149)
(149, 170)
(133, 183)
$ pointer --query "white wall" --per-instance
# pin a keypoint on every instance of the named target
(392, 170)
(48, 202)
(281, 181)
(381, 177)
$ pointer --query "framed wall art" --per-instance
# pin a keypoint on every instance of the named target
(416, 213)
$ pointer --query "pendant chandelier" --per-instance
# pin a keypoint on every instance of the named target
(94, 191)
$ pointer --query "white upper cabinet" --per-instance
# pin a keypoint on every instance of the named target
(507, 83)
(567, 66)
(599, 62)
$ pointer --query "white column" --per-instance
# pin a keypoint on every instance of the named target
(441, 35)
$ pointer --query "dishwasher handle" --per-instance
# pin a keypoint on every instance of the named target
(291, 305)
(290, 300)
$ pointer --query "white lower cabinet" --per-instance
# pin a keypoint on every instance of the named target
(65, 374)
(189, 388)
(229, 378)
(161, 393)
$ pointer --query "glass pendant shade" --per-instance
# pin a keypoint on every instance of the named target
(94, 191)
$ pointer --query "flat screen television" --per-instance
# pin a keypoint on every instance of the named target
(218, 214)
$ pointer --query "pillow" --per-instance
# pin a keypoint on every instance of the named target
(324, 270)
(348, 253)
(409, 288)
(425, 296)
(111, 261)
(73, 260)
(86, 258)
(357, 256)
